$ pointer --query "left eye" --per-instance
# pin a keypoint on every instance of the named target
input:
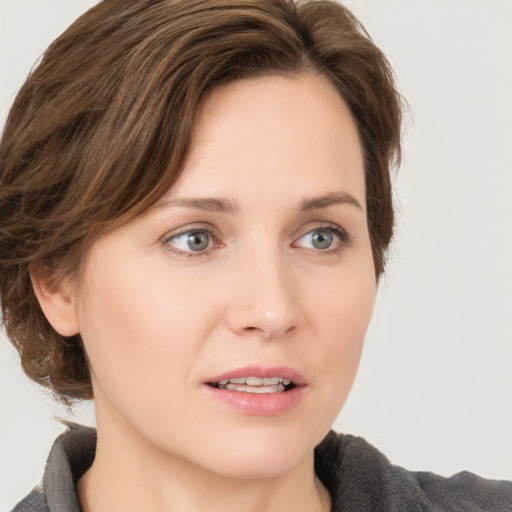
(190, 241)
(321, 239)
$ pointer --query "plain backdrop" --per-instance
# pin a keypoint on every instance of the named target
(434, 391)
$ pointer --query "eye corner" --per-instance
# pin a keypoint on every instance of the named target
(179, 241)
(324, 239)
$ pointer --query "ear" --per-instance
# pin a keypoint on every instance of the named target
(57, 300)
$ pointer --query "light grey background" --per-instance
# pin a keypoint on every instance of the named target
(434, 390)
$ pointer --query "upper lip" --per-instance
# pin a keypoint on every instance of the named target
(262, 372)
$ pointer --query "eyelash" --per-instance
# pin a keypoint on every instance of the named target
(191, 254)
(341, 234)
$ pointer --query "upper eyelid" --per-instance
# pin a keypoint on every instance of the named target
(316, 225)
(165, 241)
(341, 234)
(177, 232)
(303, 230)
(200, 226)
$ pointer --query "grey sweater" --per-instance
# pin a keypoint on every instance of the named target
(358, 477)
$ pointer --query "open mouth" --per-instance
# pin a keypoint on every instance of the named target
(254, 384)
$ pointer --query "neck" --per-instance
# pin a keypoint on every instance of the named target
(129, 474)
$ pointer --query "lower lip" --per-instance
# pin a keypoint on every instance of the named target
(264, 404)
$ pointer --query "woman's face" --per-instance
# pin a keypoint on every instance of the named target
(257, 263)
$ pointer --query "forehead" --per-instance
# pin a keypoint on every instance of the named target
(272, 135)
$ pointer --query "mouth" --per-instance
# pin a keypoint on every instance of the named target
(259, 391)
(258, 385)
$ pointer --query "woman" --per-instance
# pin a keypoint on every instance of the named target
(195, 209)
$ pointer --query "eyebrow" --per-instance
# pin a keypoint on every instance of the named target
(207, 204)
(221, 205)
(316, 203)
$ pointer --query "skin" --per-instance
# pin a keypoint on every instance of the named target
(157, 318)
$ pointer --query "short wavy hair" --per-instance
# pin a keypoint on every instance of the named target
(102, 127)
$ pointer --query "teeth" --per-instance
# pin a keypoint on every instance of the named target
(255, 389)
(255, 384)
(254, 381)
(241, 380)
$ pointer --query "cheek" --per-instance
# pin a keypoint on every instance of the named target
(343, 318)
(345, 303)
(139, 330)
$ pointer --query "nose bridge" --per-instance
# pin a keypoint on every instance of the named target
(264, 302)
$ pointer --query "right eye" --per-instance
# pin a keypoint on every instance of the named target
(190, 242)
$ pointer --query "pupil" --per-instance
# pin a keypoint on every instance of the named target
(198, 241)
(322, 240)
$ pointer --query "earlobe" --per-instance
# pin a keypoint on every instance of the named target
(56, 298)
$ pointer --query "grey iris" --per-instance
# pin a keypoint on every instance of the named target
(198, 241)
(322, 240)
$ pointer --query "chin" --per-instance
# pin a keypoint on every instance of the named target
(260, 453)
(260, 464)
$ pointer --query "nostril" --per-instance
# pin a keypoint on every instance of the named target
(259, 331)
(254, 331)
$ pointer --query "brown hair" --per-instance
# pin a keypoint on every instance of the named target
(101, 129)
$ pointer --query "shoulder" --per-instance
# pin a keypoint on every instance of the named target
(466, 491)
(33, 502)
(70, 456)
(360, 478)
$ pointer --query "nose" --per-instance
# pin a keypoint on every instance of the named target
(264, 301)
